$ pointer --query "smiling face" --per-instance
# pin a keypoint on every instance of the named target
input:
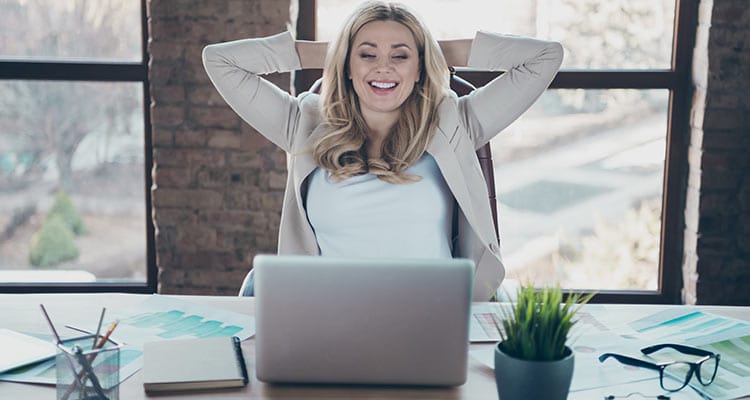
(383, 67)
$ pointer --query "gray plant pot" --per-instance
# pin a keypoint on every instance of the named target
(521, 379)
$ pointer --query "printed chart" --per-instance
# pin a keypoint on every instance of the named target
(726, 336)
(156, 318)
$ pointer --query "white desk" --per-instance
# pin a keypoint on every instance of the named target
(21, 312)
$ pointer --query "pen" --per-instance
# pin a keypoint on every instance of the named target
(98, 327)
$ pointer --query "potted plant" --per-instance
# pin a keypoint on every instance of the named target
(533, 360)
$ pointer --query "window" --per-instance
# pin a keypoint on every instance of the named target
(590, 180)
(74, 173)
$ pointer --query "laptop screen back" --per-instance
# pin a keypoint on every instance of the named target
(362, 321)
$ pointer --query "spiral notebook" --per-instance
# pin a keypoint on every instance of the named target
(192, 364)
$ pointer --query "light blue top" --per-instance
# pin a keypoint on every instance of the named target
(366, 217)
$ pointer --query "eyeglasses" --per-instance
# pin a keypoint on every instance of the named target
(682, 371)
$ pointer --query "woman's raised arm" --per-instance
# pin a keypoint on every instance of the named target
(234, 68)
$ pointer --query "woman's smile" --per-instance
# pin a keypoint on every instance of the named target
(383, 87)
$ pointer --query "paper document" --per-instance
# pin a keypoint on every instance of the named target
(18, 349)
(727, 336)
(483, 323)
(156, 318)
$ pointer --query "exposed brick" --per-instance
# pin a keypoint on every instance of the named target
(170, 157)
(731, 13)
(162, 137)
(166, 51)
(743, 243)
(271, 201)
(190, 138)
(172, 177)
(206, 237)
(225, 139)
(718, 179)
(171, 94)
(187, 198)
(276, 180)
(169, 29)
(722, 119)
(193, 71)
(249, 159)
(226, 178)
(722, 139)
(722, 53)
(236, 199)
(234, 219)
(205, 95)
(255, 140)
(214, 117)
(176, 216)
(165, 73)
(214, 158)
(717, 203)
(167, 116)
(195, 237)
(189, 8)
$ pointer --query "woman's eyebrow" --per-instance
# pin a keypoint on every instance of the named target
(393, 46)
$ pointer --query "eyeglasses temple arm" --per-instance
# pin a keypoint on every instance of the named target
(629, 361)
(682, 349)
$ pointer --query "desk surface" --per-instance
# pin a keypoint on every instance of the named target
(21, 312)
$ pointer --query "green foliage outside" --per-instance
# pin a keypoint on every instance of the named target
(64, 208)
(537, 325)
(53, 244)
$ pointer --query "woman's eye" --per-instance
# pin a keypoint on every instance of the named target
(366, 56)
(401, 57)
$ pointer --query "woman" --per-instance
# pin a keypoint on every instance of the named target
(383, 162)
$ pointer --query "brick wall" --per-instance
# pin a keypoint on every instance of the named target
(716, 268)
(218, 185)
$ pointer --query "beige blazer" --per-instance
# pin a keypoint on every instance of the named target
(465, 124)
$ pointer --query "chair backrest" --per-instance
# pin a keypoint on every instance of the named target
(463, 87)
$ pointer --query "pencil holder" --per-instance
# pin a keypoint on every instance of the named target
(86, 371)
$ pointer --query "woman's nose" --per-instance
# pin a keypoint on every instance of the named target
(384, 64)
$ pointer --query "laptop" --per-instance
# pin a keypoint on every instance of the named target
(362, 321)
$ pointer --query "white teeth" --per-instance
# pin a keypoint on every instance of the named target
(383, 85)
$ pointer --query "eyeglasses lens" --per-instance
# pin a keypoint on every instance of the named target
(675, 376)
(707, 370)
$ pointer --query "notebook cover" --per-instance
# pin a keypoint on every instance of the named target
(187, 364)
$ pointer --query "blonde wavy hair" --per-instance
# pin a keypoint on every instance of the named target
(342, 150)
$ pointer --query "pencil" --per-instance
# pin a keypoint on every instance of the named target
(104, 339)
(51, 326)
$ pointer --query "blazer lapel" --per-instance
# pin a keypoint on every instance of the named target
(304, 164)
(442, 151)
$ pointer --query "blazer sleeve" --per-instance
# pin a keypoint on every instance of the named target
(234, 68)
(529, 65)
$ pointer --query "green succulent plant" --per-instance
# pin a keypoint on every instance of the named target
(64, 208)
(536, 326)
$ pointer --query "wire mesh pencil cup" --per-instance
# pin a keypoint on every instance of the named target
(85, 372)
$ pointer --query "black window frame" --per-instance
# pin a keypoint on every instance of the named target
(676, 79)
(50, 70)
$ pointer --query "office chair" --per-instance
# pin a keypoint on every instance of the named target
(462, 87)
